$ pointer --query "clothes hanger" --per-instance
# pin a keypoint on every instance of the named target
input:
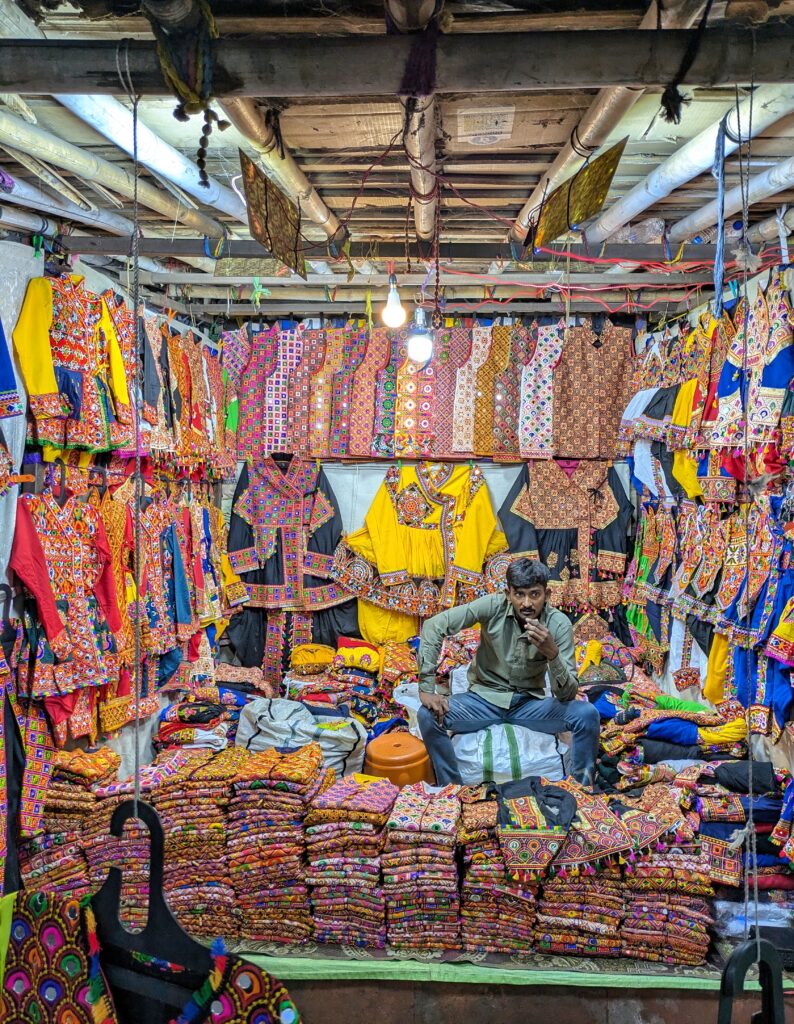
(5, 589)
(102, 486)
(162, 938)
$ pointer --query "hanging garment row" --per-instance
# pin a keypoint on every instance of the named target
(501, 392)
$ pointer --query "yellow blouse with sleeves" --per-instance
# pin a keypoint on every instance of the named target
(429, 531)
(33, 347)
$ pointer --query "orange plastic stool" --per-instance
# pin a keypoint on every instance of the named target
(399, 757)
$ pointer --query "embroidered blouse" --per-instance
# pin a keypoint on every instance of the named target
(453, 350)
(71, 364)
(576, 523)
(592, 384)
(63, 557)
(362, 416)
(429, 541)
(507, 393)
(299, 389)
(536, 405)
(463, 420)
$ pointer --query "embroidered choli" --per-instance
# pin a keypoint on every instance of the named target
(63, 557)
(496, 363)
(414, 410)
(343, 396)
(261, 365)
(299, 390)
(592, 384)
(453, 350)
(507, 393)
(576, 525)
(362, 416)
(463, 417)
(71, 365)
(536, 402)
(284, 529)
(429, 541)
(386, 398)
(758, 369)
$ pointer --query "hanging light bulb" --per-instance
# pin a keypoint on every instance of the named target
(419, 344)
(393, 313)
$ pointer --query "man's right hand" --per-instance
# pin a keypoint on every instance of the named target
(436, 703)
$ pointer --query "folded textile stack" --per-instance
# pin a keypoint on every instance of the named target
(398, 665)
(345, 834)
(581, 916)
(130, 851)
(54, 861)
(497, 915)
(576, 843)
(270, 796)
(667, 918)
(666, 927)
(351, 679)
(192, 804)
(197, 722)
(420, 877)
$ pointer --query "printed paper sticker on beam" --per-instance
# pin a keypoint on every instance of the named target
(274, 220)
(579, 198)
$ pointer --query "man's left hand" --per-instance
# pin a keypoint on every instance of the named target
(540, 636)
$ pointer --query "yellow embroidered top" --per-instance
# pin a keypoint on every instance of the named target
(427, 541)
(71, 363)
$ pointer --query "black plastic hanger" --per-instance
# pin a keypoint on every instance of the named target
(770, 976)
(162, 938)
(5, 589)
(102, 486)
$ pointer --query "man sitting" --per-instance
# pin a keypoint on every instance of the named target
(521, 638)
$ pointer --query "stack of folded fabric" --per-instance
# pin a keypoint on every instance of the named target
(666, 927)
(420, 877)
(270, 797)
(130, 851)
(54, 861)
(497, 914)
(667, 888)
(581, 916)
(576, 844)
(345, 834)
(352, 679)
(192, 804)
(200, 723)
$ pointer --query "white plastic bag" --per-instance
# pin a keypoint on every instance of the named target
(287, 723)
(503, 753)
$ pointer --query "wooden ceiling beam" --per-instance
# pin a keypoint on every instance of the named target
(373, 66)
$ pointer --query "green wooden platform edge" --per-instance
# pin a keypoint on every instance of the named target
(319, 969)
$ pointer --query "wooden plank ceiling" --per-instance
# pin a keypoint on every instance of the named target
(491, 150)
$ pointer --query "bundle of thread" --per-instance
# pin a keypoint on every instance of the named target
(497, 914)
(270, 796)
(345, 834)
(192, 805)
(420, 876)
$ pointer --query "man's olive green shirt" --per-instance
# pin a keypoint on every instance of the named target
(506, 662)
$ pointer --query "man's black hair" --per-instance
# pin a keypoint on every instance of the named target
(524, 573)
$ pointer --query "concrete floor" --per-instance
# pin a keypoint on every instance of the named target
(389, 1002)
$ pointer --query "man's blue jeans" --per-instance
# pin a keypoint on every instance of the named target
(470, 713)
